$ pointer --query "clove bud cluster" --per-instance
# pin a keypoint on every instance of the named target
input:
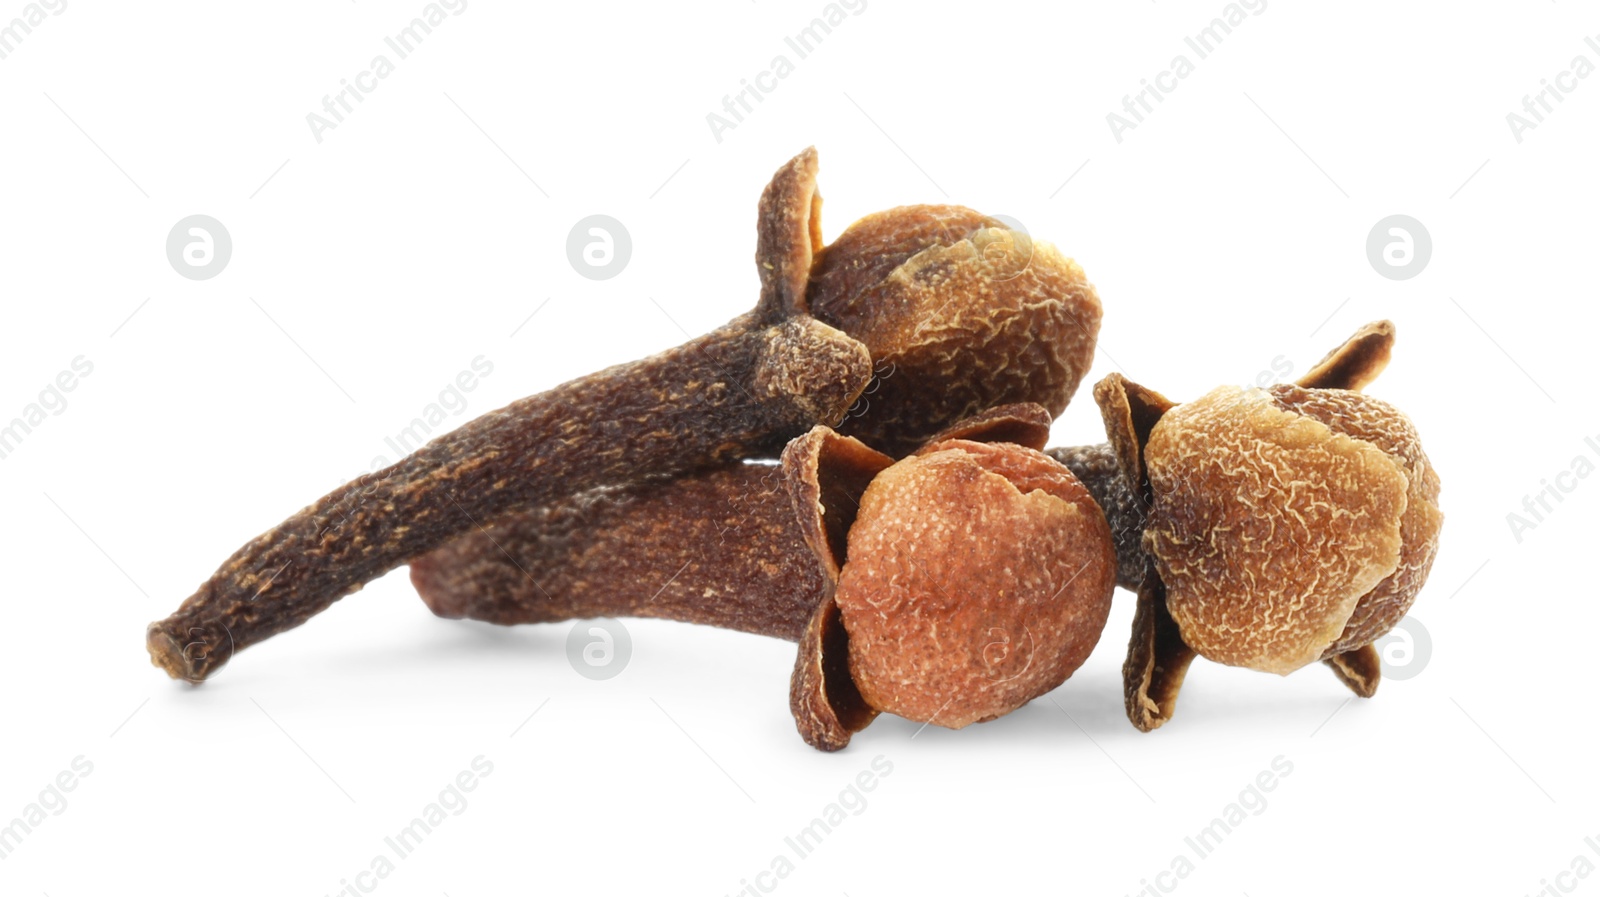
(928, 555)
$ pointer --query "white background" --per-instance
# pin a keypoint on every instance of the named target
(1225, 231)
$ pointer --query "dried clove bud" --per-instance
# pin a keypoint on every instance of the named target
(978, 577)
(964, 311)
(950, 587)
(1285, 525)
(742, 391)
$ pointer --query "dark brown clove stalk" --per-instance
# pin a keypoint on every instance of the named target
(837, 549)
(957, 305)
(744, 389)
(721, 547)
(1096, 467)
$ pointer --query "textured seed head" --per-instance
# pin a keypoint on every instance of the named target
(1288, 524)
(978, 577)
(960, 312)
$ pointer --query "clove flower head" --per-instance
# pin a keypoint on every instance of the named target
(979, 577)
(960, 582)
(1318, 505)
(960, 311)
(1284, 525)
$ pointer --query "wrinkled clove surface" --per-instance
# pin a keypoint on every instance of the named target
(962, 313)
(950, 587)
(979, 576)
(1285, 525)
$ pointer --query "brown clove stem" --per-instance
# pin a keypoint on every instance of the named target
(723, 547)
(1097, 468)
(732, 393)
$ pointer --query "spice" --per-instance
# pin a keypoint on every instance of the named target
(950, 587)
(1268, 529)
(741, 391)
(1285, 525)
(924, 285)
(979, 577)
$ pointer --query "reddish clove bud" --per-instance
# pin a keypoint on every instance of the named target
(963, 311)
(978, 577)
